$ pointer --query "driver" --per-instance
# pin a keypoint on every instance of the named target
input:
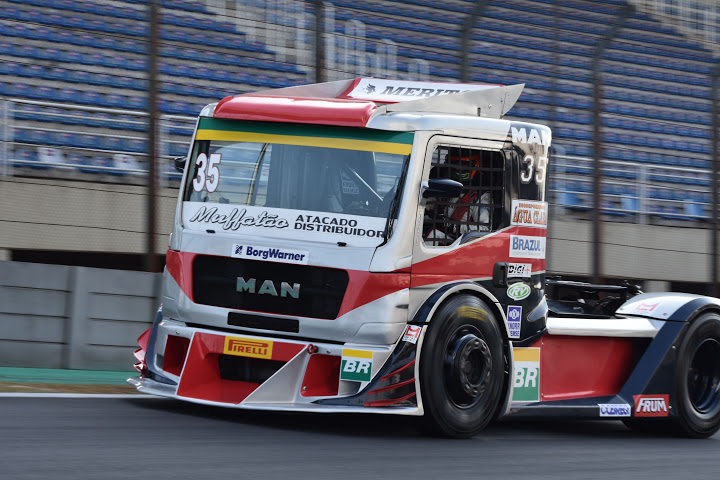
(466, 211)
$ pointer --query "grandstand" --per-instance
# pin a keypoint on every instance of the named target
(74, 79)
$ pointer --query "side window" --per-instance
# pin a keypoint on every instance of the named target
(479, 207)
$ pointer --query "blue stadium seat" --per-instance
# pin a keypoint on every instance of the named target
(93, 163)
(89, 141)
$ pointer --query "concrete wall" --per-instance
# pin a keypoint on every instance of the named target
(647, 252)
(47, 214)
(73, 317)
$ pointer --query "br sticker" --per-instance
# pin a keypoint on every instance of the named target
(526, 375)
(356, 365)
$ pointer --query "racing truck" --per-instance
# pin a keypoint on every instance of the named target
(375, 245)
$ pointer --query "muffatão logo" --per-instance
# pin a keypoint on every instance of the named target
(238, 218)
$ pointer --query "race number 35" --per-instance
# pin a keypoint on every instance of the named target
(529, 168)
(208, 173)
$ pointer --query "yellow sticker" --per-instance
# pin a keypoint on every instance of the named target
(349, 352)
(526, 354)
(248, 347)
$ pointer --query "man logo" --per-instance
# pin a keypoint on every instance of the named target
(238, 249)
(268, 288)
(248, 347)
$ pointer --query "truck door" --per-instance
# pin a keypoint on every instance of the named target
(460, 238)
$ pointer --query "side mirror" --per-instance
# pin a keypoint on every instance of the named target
(180, 163)
(443, 187)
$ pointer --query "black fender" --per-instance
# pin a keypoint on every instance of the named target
(422, 316)
(654, 372)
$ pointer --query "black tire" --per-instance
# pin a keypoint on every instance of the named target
(462, 368)
(697, 378)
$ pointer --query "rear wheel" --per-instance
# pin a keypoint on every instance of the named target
(461, 368)
(697, 378)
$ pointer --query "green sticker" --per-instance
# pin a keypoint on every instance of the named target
(526, 375)
(358, 369)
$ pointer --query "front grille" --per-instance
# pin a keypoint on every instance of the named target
(269, 286)
(243, 369)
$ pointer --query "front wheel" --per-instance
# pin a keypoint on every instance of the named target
(462, 368)
(697, 378)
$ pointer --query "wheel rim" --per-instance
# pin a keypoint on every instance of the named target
(468, 366)
(704, 377)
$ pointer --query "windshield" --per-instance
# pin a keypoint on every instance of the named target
(312, 170)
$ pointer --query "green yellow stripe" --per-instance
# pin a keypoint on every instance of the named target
(349, 352)
(341, 143)
(526, 354)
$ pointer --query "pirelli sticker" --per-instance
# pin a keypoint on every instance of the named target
(248, 347)
(356, 365)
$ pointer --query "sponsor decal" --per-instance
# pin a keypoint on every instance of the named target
(355, 230)
(651, 405)
(522, 246)
(356, 365)
(526, 375)
(349, 187)
(514, 316)
(248, 347)
(518, 291)
(527, 213)
(237, 218)
(271, 254)
(412, 333)
(519, 270)
(267, 288)
(645, 307)
(614, 410)
(520, 135)
(327, 224)
(400, 90)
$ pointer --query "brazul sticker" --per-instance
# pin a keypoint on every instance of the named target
(514, 317)
(522, 246)
(515, 270)
(356, 365)
(528, 213)
(614, 409)
(518, 291)
(282, 255)
(526, 375)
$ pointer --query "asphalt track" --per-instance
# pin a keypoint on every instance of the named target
(145, 437)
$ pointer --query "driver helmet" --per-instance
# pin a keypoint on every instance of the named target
(465, 164)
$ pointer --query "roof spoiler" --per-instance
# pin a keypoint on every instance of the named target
(490, 101)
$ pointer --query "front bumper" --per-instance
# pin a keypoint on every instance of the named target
(266, 373)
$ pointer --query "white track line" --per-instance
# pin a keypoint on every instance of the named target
(73, 395)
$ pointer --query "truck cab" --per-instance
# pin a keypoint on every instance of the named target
(327, 234)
